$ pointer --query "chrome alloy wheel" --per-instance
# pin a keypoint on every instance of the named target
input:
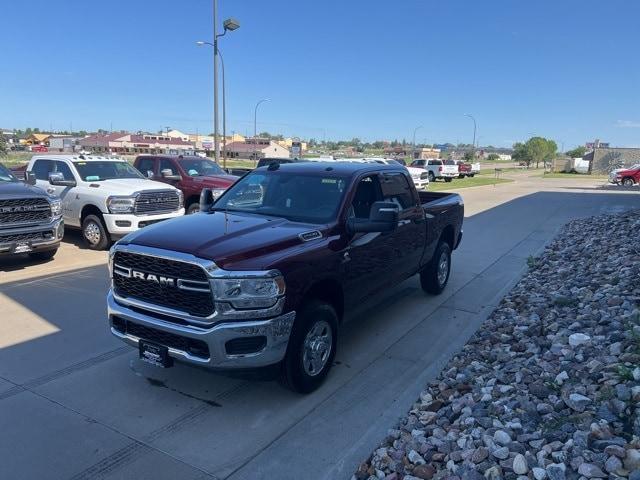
(443, 268)
(317, 348)
(92, 233)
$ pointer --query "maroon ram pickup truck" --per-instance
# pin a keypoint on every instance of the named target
(265, 274)
(464, 169)
(190, 174)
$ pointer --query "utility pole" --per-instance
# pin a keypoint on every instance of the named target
(216, 141)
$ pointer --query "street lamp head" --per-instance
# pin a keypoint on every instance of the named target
(200, 43)
(231, 24)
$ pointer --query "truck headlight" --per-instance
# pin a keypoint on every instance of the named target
(180, 199)
(121, 204)
(56, 207)
(251, 292)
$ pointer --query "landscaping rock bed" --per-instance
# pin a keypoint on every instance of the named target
(549, 386)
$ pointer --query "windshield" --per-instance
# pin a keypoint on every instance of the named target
(5, 175)
(95, 171)
(201, 167)
(296, 197)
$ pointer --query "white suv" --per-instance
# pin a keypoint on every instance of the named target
(106, 197)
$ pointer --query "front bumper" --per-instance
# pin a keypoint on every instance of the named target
(420, 183)
(120, 224)
(126, 324)
(34, 238)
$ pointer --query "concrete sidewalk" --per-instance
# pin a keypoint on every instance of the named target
(75, 403)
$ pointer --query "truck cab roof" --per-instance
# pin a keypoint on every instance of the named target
(344, 169)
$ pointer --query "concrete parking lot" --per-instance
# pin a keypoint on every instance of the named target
(77, 403)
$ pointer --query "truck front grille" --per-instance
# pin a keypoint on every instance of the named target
(165, 294)
(26, 237)
(24, 211)
(165, 201)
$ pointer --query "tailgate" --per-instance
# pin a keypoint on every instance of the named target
(450, 169)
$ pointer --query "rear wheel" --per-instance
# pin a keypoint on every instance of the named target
(628, 182)
(448, 179)
(312, 347)
(43, 256)
(432, 177)
(435, 276)
(94, 233)
(472, 175)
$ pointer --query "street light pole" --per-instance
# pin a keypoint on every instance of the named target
(216, 143)
(255, 126)
(473, 150)
(413, 153)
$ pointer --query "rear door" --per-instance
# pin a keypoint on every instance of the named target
(410, 237)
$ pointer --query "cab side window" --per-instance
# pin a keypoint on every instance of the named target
(367, 193)
(146, 166)
(42, 168)
(64, 169)
(396, 189)
(167, 165)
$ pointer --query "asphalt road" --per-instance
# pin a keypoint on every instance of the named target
(76, 403)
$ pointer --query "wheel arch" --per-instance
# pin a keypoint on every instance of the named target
(327, 290)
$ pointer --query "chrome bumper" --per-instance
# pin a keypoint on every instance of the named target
(56, 227)
(276, 330)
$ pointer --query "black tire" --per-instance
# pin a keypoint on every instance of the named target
(472, 175)
(43, 256)
(448, 179)
(295, 374)
(432, 177)
(94, 233)
(628, 182)
(193, 208)
(430, 279)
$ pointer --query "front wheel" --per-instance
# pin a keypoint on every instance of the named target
(435, 276)
(432, 177)
(193, 208)
(628, 182)
(94, 233)
(472, 175)
(312, 347)
(448, 179)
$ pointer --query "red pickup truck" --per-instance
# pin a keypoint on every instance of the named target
(190, 174)
(265, 275)
(628, 177)
(464, 169)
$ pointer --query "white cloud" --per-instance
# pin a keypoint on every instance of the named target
(627, 124)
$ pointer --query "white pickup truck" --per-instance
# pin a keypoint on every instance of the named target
(105, 197)
(437, 168)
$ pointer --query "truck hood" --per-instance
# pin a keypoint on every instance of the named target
(215, 181)
(20, 190)
(128, 186)
(226, 239)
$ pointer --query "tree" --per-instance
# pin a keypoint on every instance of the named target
(3, 147)
(578, 152)
(536, 149)
(468, 156)
(493, 157)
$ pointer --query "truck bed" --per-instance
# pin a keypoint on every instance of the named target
(430, 199)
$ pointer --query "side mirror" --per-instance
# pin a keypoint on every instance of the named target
(383, 218)
(206, 199)
(57, 179)
(30, 178)
(167, 173)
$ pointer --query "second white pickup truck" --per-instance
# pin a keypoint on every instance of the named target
(105, 197)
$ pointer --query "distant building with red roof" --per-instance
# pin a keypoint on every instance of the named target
(130, 143)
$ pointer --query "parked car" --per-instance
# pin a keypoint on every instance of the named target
(464, 169)
(437, 169)
(189, 174)
(30, 219)
(104, 196)
(626, 176)
(265, 275)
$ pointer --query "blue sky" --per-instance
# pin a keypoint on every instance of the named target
(371, 69)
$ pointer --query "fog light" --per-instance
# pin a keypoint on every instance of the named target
(123, 223)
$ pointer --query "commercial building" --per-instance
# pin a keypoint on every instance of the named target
(256, 148)
(128, 143)
(603, 160)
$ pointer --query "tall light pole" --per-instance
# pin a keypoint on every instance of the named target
(224, 105)
(475, 127)
(413, 142)
(255, 127)
(229, 24)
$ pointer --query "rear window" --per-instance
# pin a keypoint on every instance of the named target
(435, 162)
